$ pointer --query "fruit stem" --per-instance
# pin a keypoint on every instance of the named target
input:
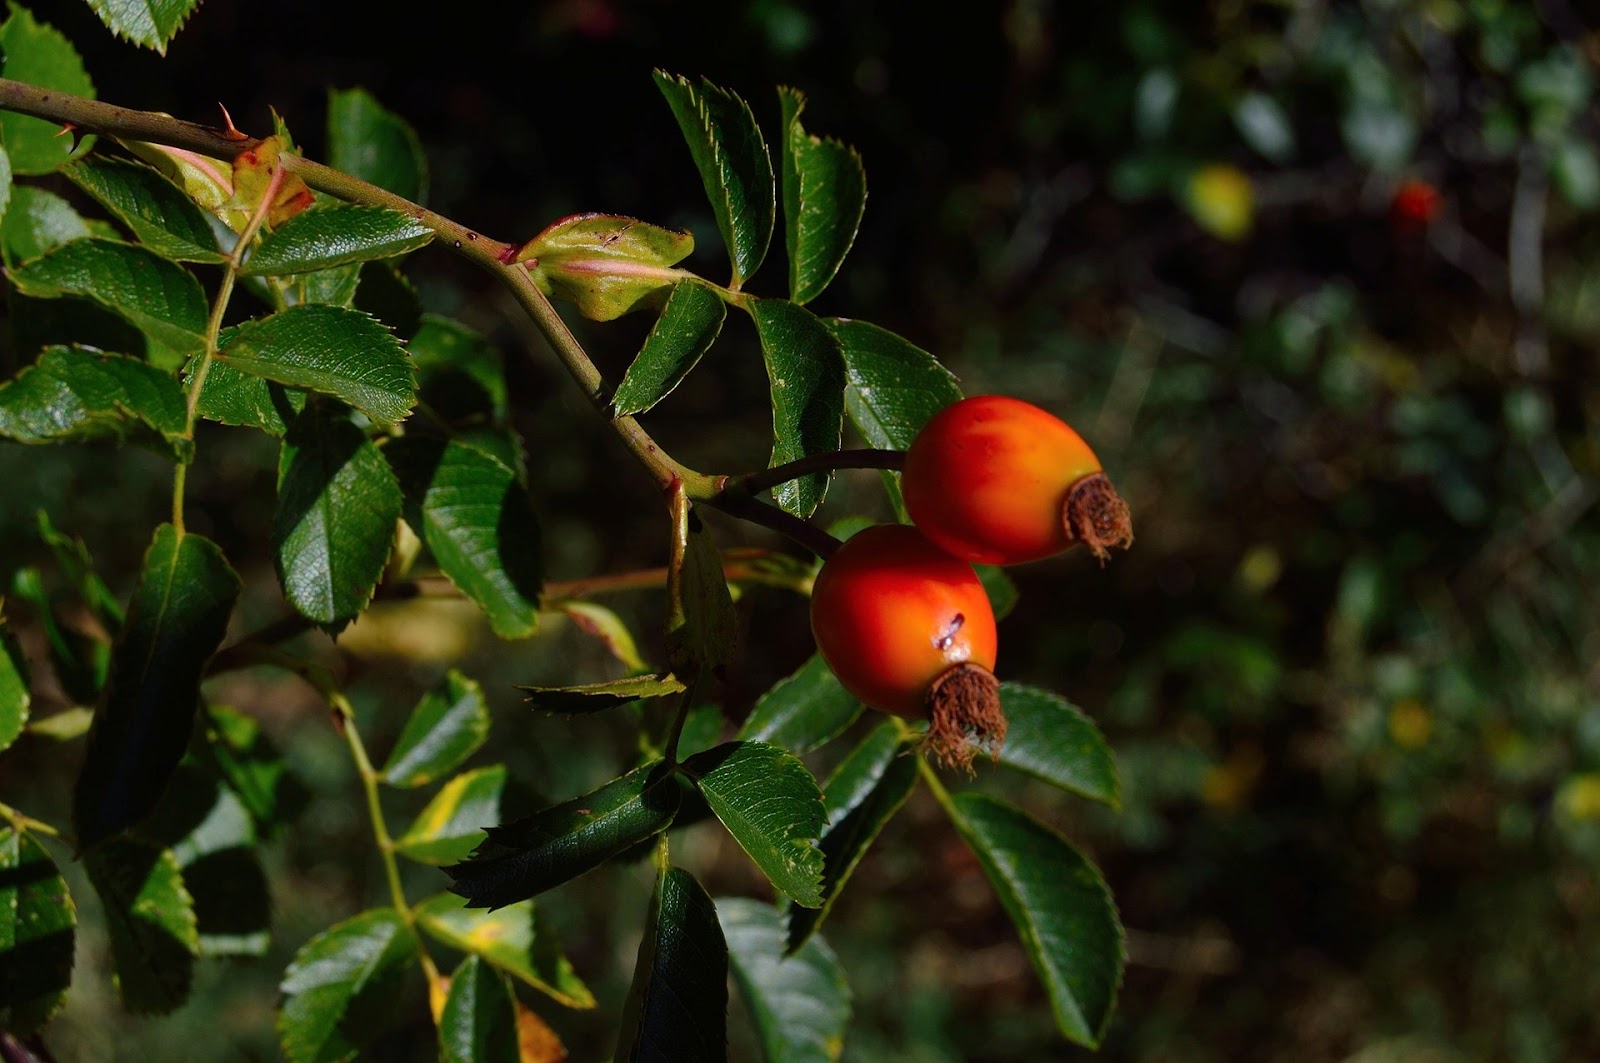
(755, 511)
(756, 482)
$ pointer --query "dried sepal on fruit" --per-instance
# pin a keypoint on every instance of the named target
(908, 629)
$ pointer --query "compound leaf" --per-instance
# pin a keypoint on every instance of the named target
(800, 1003)
(895, 386)
(824, 196)
(678, 1003)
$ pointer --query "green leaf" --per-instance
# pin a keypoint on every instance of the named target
(479, 1020)
(1052, 739)
(727, 149)
(14, 695)
(236, 398)
(597, 697)
(159, 298)
(701, 623)
(151, 921)
(1000, 588)
(453, 823)
(73, 395)
(459, 372)
(608, 264)
(677, 1007)
(339, 352)
(152, 23)
(38, 930)
(446, 727)
(176, 620)
(512, 939)
(1060, 905)
(688, 326)
(36, 222)
(824, 196)
(559, 843)
(338, 503)
(336, 236)
(472, 511)
(158, 212)
(252, 767)
(807, 376)
(369, 141)
(39, 55)
(802, 711)
(800, 1003)
(339, 991)
(895, 386)
(771, 805)
(863, 794)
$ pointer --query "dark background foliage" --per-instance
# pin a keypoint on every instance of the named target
(1349, 665)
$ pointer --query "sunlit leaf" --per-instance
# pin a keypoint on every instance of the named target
(339, 991)
(807, 377)
(159, 298)
(1060, 905)
(824, 195)
(371, 142)
(771, 805)
(74, 395)
(339, 352)
(596, 697)
(864, 793)
(472, 511)
(334, 522)
(802, 711)
(163, 217)
(895, 386)
(730, 154)
(446, 727)
(608, 264)
(800, 1003)
(151, 920)
(38, 54)
(479, 1020)
(336, 236)
(1049, 737)
(512, 939)
(453, 823)
(152, 23)
(38, 929)
(688, 326)
(175, 621)
(678, 1003)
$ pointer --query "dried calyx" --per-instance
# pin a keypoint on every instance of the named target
(1095, 515)
(964, 716)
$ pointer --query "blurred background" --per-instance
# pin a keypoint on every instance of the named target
(1321, 284)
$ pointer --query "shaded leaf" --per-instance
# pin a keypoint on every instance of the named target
(38, 931)
(802, 711)
(73, 395)
(162, 215)
(175, 621)
(1052, 739)
(39, 55)
(479, 1020)
(1000, 588)
(80, 661)
(151, 921)
(334, 522)
(14, 695)
(824, 196)
(512, 939)
(800, 1004)
(152, 23)
(339, 990)
(77, 566)
(453, 823)
(771, 805)
(1060, 905)
(336, 236)
(895, 386)
(863, 794)
(252, 766)
(559, 843)
(5, 181)
(701, 623)
(236, 398)
(608, 264)
(597, 697)
(37, 221)
(472, 511)
(159, 298)
(677, 1007)
(730, 154)
(371, 142)
(806, 373)
(460, 373)
(688, 326)
(339, 352)
(385, 293)
(446, 727)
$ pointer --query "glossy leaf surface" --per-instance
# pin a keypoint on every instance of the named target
(597, 697)
(453, 823)
(479, 1020)
(371, 142)
(678, 1003)
(14, 694)
(336, 236)
(895, 386)
(39, 55)
(152, 23)
(803, 710)
(806, 374)
(157, 297)
(159, 213)
(339, 990)
(447, 726)
(800, 1003)
(74, 395)
(1052, 739)
(824, 196)
(689, 324)
(771, 805)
